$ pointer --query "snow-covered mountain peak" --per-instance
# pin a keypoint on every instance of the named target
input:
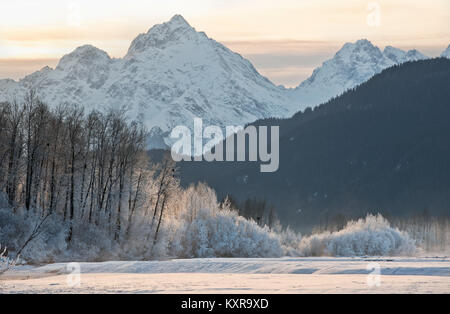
(162, 35)
(178, 21)
(352, 65)
(394, 54)
(86, 55)
(361, 44)
(400, 56)
(414, 55)
(446, 53)
(36, 76)
(362, 51)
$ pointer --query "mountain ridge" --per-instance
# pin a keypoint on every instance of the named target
(352, 65)
(173, 73)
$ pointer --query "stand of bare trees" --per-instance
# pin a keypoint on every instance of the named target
(432, 233)
(88, 168)
(257, 209)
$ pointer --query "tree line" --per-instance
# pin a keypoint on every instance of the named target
(87, 167)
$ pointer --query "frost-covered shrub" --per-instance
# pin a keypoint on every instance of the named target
(204, 228)
(370, 236)
(290, 240)
(6, 263)
(50, 245)
(13, 228)
(16, 227)
(223, 233)
(194, 224)
(92, 243)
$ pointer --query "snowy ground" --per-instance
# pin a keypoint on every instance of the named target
(227, 275)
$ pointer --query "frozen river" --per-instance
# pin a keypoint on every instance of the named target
(237, 275)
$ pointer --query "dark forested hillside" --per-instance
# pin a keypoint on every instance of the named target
(382, 147)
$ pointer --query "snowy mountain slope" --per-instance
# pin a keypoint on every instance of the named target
(352, 65)
(399, 56)
(446, 53)
(9, 89)
(170, 75)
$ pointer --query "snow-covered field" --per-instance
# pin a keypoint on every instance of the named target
(238, 275)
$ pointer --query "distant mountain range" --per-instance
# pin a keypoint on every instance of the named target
(381, 147)
(173, 73)
(352, 65)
